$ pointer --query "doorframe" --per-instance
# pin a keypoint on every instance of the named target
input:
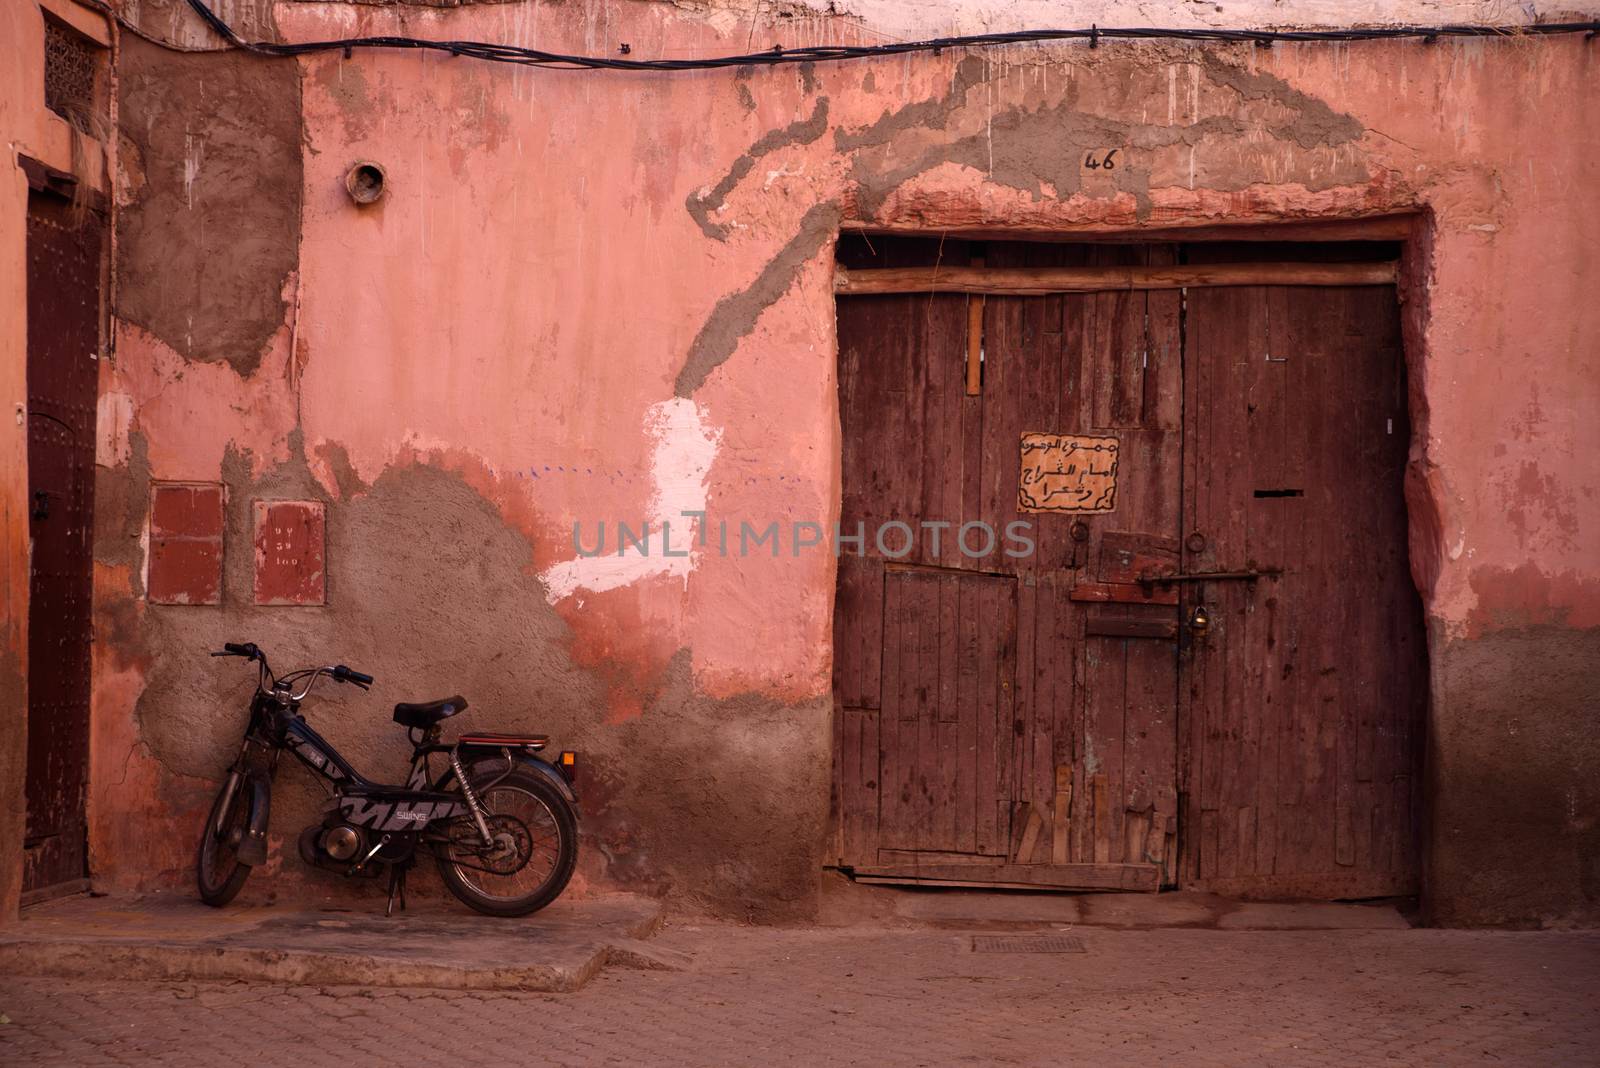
(1413, 231)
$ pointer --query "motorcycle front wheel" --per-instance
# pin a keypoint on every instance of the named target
(219, 872)
(533, 848)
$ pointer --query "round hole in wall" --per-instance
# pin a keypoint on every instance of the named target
(364, 183)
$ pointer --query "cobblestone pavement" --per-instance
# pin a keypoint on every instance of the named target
(891, 997)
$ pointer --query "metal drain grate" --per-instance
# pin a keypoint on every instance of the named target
(1027, 944)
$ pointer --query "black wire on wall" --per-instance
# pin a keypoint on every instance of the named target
(533, 57)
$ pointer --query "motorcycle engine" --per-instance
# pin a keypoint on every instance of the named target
(332, 845)
(341, 843)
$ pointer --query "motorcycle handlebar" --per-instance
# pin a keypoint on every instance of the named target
(237, 649)
(344, 674)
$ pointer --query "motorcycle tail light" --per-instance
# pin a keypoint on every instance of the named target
(568, 762)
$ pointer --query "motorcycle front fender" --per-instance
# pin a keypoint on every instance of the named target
(257, 793)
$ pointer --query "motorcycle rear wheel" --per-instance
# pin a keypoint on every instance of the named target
(535, 851)
(219, 873)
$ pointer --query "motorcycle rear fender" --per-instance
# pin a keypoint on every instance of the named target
(492, 760)
(257, 792)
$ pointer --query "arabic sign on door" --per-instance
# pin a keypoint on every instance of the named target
(1067, 473)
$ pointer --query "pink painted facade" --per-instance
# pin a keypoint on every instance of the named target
(590, 297)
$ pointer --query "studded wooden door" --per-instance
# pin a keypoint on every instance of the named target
(63, 282)
(1007, 712)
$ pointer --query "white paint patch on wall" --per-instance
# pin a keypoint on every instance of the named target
(685, 446)
(113, 421)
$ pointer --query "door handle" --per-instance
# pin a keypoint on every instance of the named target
(41, 505)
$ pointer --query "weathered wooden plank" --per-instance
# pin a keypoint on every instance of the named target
(943, 325)
(1134, 877)
(1039, 281)
(1163, 373)
(869, 639)
(1195, 688)
(974, 368)
(1162, 629)
(1371, 228)
(1105, 826)
(1124, 593)
(845, 776)
(1149, 742)
(1032, 824)
(1059, 812)
(847, 625)
(897, 766)
(858, 759)
(1004, 597)
(975, 689)
(957, 722)
(932, 780)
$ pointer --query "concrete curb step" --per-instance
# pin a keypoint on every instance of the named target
(557, 950)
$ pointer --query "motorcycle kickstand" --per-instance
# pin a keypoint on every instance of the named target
(397, 888)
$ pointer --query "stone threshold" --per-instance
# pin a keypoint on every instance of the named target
(557, 950)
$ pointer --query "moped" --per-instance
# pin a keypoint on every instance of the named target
(500, 821)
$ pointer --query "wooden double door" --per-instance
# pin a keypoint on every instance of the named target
(1192, 653)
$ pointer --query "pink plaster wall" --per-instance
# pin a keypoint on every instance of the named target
(519, 305)
(530, 285)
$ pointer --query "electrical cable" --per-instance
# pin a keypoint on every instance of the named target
(502, 53)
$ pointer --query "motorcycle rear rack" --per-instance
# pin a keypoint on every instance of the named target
(506, 741)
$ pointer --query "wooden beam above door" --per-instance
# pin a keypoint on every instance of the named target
(1042, 281)
(1368, 228)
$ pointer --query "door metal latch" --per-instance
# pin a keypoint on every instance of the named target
(1250, 575)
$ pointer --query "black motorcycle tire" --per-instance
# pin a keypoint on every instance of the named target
(565, 821)
(214, 891)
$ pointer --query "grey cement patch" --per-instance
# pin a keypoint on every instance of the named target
(725, 801)
(800, 132)
(925, 114)
(1312, 123)
(1040, 149)
(735, 315)
(1514, 738)
(121, 502)
(213, 229)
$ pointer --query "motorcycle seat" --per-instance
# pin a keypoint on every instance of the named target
(427, 713)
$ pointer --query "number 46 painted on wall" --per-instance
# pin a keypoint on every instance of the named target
(1098, 160)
